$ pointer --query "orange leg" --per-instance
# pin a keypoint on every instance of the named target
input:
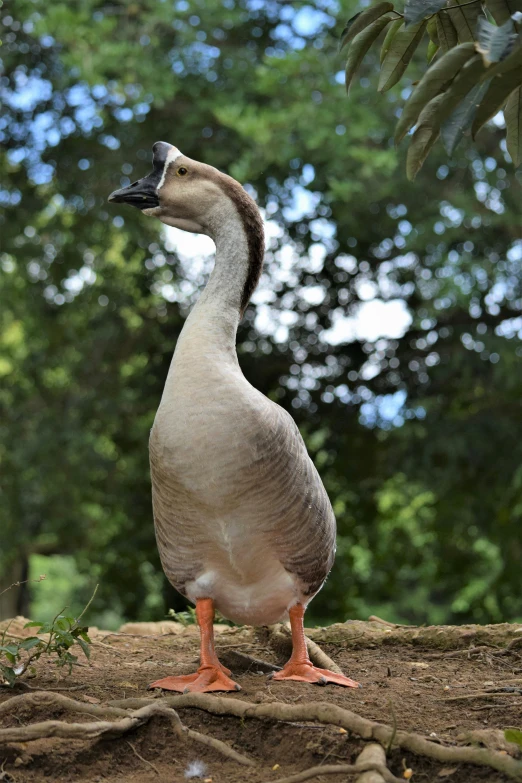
(211, 675)
(299, 667)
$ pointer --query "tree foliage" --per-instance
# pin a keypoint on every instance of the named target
(414, 428)
(474, 68)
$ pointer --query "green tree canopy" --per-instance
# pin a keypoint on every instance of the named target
(413, 427)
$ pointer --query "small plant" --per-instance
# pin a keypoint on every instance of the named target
(183, 618)
(189, 617)
(18, 657)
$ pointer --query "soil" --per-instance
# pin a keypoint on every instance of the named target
(409, 676)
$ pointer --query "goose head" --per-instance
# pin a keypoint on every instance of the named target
(181, 192)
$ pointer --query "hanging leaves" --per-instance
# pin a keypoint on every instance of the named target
(360, 45)
(474, 67)
(497, 94)
(513, 118)
(433, 81)
(465, 80)
(388, 38)
(464, 18)
(459, 122)
(495, 43)
(399, 55)
(446, 31)
(361, 21)
(425, 136)
(416, 10)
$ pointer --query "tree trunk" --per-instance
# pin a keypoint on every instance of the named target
(15, 600)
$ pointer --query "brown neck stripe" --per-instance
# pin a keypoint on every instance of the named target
(253, 225)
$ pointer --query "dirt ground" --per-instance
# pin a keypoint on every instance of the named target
(440, 683)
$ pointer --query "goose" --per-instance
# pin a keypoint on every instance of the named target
(243, 522)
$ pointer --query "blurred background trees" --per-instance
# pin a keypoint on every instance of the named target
(387, 320)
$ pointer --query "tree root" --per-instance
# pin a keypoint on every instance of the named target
(103, 728)
(322, 712)
(31, 701)
(376, 755)
(380, 774)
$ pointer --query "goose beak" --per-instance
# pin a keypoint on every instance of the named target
(141, 194)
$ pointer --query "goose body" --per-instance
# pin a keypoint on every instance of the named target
(243, 522)
(241, 515)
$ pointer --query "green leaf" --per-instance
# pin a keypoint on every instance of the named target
(45, 628)
(399, 55)
(436, 111)
(446, 31)
(85, 647)
(362, 20)
(360, 45)
(30, 642)
(495, 43)
(459, 122)
(513, 118)
(465, 80)
(425, 136)
(433, 48)
(513, 735)
(501, 10)
(65, 638)
(464, 19)
(33, 624)
(416, 10)
(499, 90)
(433, 81)
(388, 38)
(8, 675)
(431, 29)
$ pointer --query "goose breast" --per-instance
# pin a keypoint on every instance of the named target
(241, 514)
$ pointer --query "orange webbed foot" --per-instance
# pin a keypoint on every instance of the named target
(205, 680)
(307, 672)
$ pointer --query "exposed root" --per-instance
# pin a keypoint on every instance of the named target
(493, 739)
(32, 701)
(344, 769)
(86, 731)
(370, 768)
(322, 712)
(103, 728)
(372, 753)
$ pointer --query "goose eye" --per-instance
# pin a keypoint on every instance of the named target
(182, 171)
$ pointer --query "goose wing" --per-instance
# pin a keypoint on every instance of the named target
(296, 509)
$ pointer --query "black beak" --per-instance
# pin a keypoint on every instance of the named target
(141, 194)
